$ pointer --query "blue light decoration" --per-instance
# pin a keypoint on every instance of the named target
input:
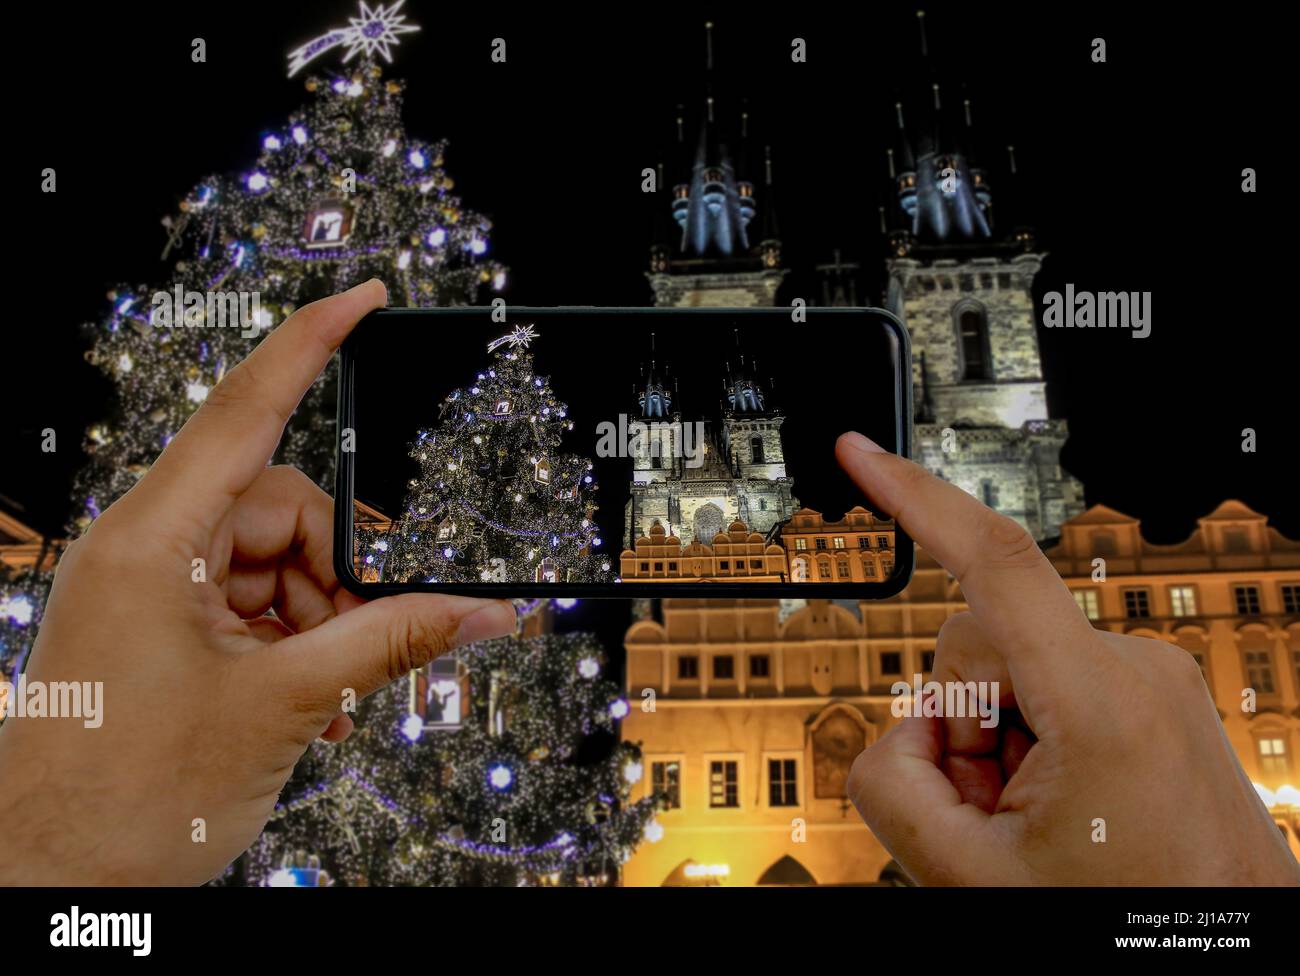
(437, 237)
(257, 182)
(416, 159)
(478, 246)
(500, 777)
(412, 728)
(272, 143)
(588, 667)
(299, 135)
(565, 603)
(618, 709)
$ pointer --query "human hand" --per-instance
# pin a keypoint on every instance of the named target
(1120, 728)
(207, 704)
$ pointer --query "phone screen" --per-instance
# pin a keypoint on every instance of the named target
(637, 452)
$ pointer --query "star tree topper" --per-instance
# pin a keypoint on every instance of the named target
(371, 33)
(521, 336)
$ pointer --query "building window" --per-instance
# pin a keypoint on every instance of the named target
(666, 778)
(990, 493)
(1259, 672)
(659, 567)
(672, 567)
(724, 667)
(882, 542)
(726, 564)
(1182, 601)
(645, 567)
(1235, 540)
(891, 662)
(756, 564)
(762, 504)
(1272, 756)
(838, 542)
(1087, 600)
(864, 542)
(801, 545)
(782, 783)
(1291, 597)
(1137, 604)
(724, 785)
(688, 667)
(1247, 598)
(821, 543)
(887, 566)
(756, 449)
(868, 568)
(927, 661)
(973, 332)
(824, 568)
(760, 666)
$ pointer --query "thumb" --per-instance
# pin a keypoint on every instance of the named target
(916, 812)
(373, 645)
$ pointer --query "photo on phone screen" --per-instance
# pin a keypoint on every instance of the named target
(618, 452)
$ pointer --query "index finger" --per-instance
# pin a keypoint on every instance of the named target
(1019, 599)
(230, 439)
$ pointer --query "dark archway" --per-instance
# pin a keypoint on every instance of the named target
(787, 871)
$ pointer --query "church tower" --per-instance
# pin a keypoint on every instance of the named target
(963, 285)
(721, 248)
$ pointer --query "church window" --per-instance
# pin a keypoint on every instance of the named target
(990, 493)
(762, 504)
(756, 449)
(972, 333)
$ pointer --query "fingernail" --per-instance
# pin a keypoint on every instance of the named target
(864, 444)
(494, 620)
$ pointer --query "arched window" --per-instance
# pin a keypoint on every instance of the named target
(756, 450)
(973, 342)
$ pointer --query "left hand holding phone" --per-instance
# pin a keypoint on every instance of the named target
(206, 703)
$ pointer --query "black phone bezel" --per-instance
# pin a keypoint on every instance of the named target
(904, 552)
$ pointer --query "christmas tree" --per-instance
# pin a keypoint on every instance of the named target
(496, 498)
(338, 194)
(515, 786)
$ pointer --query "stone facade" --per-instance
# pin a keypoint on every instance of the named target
(978, 385)
(741, 289)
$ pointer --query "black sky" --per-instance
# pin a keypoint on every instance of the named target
(1130, 171)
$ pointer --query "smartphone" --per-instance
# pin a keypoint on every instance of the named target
(618, 452)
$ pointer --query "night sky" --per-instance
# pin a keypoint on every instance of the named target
(1129, 171)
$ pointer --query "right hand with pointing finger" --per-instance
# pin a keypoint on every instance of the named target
(1112, 728)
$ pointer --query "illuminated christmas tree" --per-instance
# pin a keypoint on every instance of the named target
(496, 499)
(338, 194)
(480, 770)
